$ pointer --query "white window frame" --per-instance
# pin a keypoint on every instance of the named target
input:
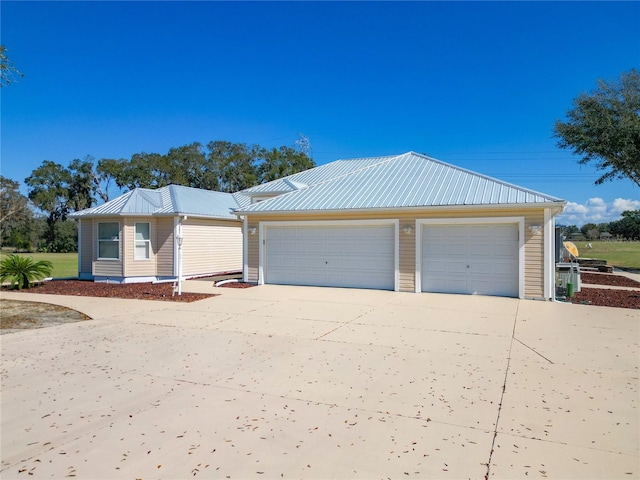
(116, 240)
(137, 242)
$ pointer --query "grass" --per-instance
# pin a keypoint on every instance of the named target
(64, 264)
(618, 254)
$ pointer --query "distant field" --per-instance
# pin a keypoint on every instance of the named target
(64, 264)
(618, 254)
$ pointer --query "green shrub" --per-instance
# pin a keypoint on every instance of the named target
(23, 271)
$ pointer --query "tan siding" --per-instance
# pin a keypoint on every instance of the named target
(86, 246)
(253, 254)
(534, 257)
(164, 239)
(534, 245)
(211, 246)
(139, 268)
(106, 268)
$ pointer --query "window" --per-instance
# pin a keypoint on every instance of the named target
(142, 246)
(109, 240)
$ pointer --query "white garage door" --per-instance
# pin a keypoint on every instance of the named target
(474, 259)
(359, 256)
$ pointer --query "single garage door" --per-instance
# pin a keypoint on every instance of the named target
(359, 256)
(473, 259)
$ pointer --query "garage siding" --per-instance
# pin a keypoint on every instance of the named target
(534, 257)
(211, 246)
(534, 265)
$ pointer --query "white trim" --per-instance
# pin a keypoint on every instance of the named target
(245, 250)
(148, 242)
(323, 223)
(420, 222)
(79, 247)
(176, 222)
(121, 245)
(549, 255)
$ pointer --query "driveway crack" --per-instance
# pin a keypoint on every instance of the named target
(504, 388)
(533, 350)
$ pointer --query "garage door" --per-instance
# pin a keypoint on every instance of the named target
(473, 259)
(359, 256)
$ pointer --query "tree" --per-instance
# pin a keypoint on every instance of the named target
(48, 190)
(283, 162)
(83, 184)
(15, 215)
(108, 170)
(233, 165)
(8, 72)
(604, 127)
(628, 226)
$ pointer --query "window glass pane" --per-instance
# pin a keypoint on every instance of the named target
(142, 231)
(108, 249)
(141, 251)
(108, 231)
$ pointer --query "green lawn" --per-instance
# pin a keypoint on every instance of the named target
(618, 254)
(64, 264)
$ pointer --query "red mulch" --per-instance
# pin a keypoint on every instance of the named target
(607, 297)
(139, 291)
(236, 285)
(606, 279)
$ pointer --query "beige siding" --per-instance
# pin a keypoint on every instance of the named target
(534, 256)
(164, 252)
(86, 246)
(133, 267)
(107, 268)
(253, 253)
(534, 264)
(211, 246)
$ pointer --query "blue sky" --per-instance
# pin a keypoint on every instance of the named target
(476, 84)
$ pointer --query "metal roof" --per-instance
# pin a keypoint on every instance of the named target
(407, 180)
(169, 200)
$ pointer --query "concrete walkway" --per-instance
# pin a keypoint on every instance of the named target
(294, 382)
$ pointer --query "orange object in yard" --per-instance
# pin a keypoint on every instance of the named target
(571, 248)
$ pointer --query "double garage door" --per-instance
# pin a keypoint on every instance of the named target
(457, 258)
(359, 256)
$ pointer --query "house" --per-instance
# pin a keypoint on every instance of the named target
(154, 235)
(404, 223)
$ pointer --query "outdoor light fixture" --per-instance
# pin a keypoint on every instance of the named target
(407, 229)
(535, 228)
(252, 231)
(179, 239)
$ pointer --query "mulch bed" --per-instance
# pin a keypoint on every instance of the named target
(605, 279)
(236, 285)
(606, 297)
(138, 291)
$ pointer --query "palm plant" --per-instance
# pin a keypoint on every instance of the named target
(23, 271)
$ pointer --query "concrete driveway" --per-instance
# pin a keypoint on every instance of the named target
(296, 382)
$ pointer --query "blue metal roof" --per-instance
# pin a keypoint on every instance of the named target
(408, 180)
(169, 200)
